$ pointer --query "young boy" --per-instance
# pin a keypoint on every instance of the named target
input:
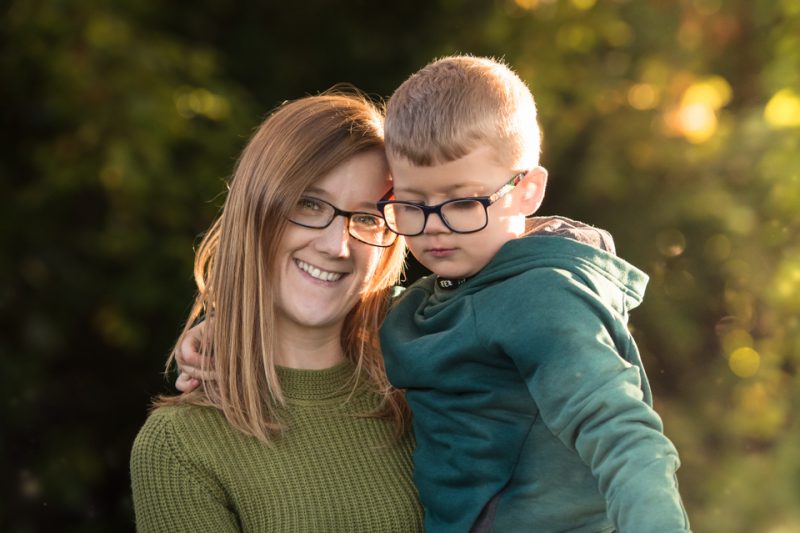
(532, 411)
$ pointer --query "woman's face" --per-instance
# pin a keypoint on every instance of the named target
(321, 272)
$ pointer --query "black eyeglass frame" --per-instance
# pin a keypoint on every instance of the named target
(348, 215)
(428, 210)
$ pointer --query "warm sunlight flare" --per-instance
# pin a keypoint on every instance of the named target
(744, 362)
(783, 109)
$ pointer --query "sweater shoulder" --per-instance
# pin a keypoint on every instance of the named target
(178, 418)
(178, 429)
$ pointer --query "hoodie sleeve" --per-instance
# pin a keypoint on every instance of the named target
(575, 353)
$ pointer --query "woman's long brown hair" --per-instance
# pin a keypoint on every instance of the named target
(298, 143)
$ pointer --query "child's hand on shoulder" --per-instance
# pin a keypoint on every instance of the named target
(190, 361)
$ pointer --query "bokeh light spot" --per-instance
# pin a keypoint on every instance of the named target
(617, 33)
(707, 7)
(643, 96)
(575, 37)
(783, 109)
(714, 92)
(584, 5)
(111, 177)
(528, 4)
(193, 102)
(744, 362)
(698, 122)
(735, 339)
(670, 243)
(718, 247)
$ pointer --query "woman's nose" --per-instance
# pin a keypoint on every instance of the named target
(335, 239)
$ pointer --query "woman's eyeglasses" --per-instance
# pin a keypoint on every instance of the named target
(369, 228)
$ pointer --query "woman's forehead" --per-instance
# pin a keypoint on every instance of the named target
(359, 182)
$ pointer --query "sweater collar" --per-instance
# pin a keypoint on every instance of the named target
(301, 384)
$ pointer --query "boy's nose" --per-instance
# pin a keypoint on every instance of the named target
(335, 239)
(435, 224)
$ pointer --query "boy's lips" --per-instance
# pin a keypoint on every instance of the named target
(440, 251)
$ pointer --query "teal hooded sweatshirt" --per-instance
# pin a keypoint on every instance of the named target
(531, 408)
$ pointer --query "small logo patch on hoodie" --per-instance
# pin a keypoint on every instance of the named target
(449, 284)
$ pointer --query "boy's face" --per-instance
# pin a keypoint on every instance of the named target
(460, 255)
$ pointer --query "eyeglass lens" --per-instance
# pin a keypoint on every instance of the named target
(366, 227)
(462, 215)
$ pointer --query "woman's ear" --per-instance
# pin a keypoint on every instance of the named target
(533, 186)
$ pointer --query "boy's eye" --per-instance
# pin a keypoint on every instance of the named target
(464, 205)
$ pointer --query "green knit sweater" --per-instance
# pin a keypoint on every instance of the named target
(330, 471)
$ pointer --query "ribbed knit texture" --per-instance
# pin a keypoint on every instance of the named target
(331, 471)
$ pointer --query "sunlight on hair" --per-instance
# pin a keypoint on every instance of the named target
(783, 109)
(745, 362)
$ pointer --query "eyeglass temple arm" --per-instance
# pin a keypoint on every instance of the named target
(508, 186)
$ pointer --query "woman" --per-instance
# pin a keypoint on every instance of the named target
(298, 430)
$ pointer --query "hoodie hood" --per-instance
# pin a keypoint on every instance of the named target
(584, 251)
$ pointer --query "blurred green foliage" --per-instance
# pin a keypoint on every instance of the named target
(674, 124)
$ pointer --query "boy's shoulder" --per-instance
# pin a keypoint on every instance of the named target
(558, 226)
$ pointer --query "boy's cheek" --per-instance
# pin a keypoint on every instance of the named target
(414, 246)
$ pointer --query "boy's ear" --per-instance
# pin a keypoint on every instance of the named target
(533, 186)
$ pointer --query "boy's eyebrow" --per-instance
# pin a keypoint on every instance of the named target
(481, 187)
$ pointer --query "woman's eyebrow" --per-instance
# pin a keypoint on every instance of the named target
(366, 205)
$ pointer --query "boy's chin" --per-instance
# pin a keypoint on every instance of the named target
(450, 271)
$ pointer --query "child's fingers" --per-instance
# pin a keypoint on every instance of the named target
(197, 373)
(186, 383)
(189, 351)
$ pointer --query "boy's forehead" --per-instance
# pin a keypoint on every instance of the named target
(475, 173)
(452, 185)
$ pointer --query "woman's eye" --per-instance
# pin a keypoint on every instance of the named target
(367, 221)
(309, 204)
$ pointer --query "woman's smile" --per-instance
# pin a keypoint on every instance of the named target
(319, 273)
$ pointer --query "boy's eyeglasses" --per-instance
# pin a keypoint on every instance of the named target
(368, 228)
(460, 215)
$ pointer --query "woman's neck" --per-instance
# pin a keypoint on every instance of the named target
(309, 348)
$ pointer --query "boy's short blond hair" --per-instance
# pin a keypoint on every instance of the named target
(458, 103)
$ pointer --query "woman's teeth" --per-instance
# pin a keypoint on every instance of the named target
(314, 272)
